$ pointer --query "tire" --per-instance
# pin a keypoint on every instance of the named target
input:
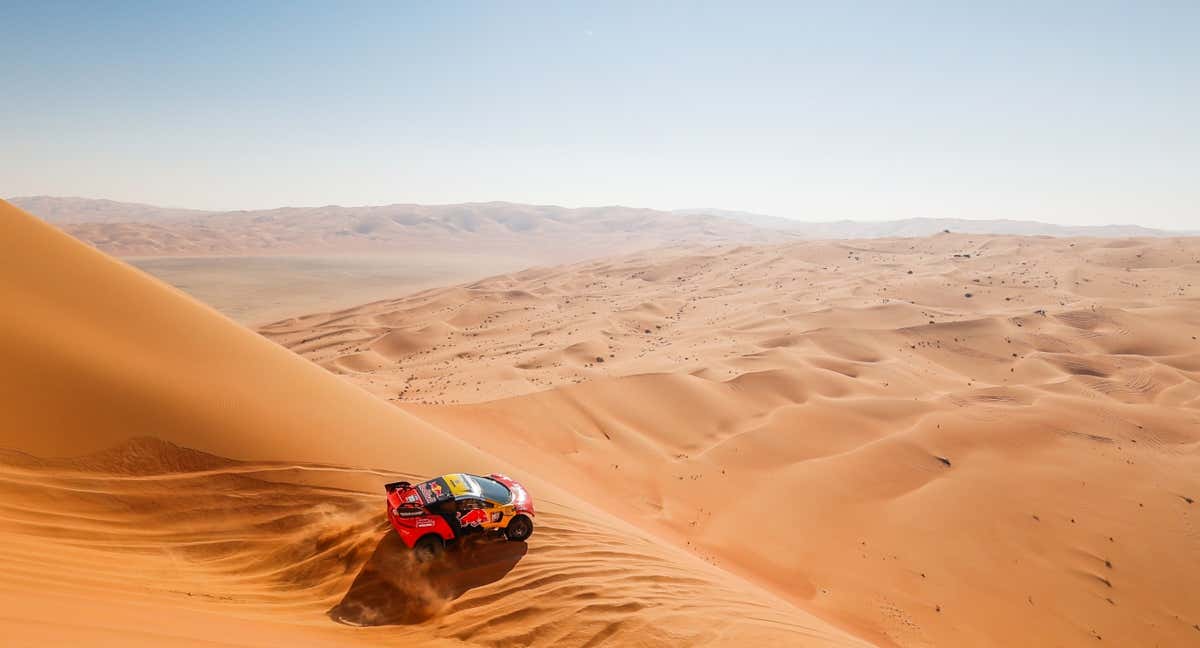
(519, 529)
(428, 549)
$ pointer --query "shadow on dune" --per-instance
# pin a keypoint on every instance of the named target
(393, 589)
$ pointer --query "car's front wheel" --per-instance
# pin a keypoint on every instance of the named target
(520, 528)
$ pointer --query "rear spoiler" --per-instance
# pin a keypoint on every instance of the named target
(400, 485)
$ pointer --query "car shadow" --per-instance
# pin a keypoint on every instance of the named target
(392, 588)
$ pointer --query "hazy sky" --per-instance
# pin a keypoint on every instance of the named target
(1068, 112)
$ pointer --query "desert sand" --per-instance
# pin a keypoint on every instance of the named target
(953, 440)
(171, 478)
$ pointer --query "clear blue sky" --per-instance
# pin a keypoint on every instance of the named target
(1069, 112)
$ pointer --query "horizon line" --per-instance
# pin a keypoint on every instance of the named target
(710, 211)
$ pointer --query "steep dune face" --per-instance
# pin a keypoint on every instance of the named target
(91, 343)
(167, 477)
(950, 441)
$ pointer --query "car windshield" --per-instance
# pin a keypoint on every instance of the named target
(493, 490)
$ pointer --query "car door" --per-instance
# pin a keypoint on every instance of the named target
(473, 512)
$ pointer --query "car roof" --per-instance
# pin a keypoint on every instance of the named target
(462, 485)
(455, 486)
(466, 485)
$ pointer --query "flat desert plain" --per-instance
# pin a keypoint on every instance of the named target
(263, 265)
(256, 289)
(946, 441)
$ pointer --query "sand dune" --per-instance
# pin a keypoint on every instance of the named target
(170, 478)
(155, 362)
(957, 440)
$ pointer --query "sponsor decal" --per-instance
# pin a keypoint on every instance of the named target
(431, 491)
(473, 518)
(424, 523)
(497, 516)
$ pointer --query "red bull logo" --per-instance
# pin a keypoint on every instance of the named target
(473, 518)
(436, 488)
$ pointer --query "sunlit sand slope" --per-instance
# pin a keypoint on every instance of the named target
(149, 543)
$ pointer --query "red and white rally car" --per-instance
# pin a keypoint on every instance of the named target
(434, 512)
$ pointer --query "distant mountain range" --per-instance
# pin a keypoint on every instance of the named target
(536, 232)
(910, 227)
(539, 232)
(56, 210)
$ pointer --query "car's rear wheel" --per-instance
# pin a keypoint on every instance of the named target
(519, 529)
(428, 549)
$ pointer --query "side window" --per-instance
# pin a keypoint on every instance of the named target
(471, 504)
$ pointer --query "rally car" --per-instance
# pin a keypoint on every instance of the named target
(432, 513)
